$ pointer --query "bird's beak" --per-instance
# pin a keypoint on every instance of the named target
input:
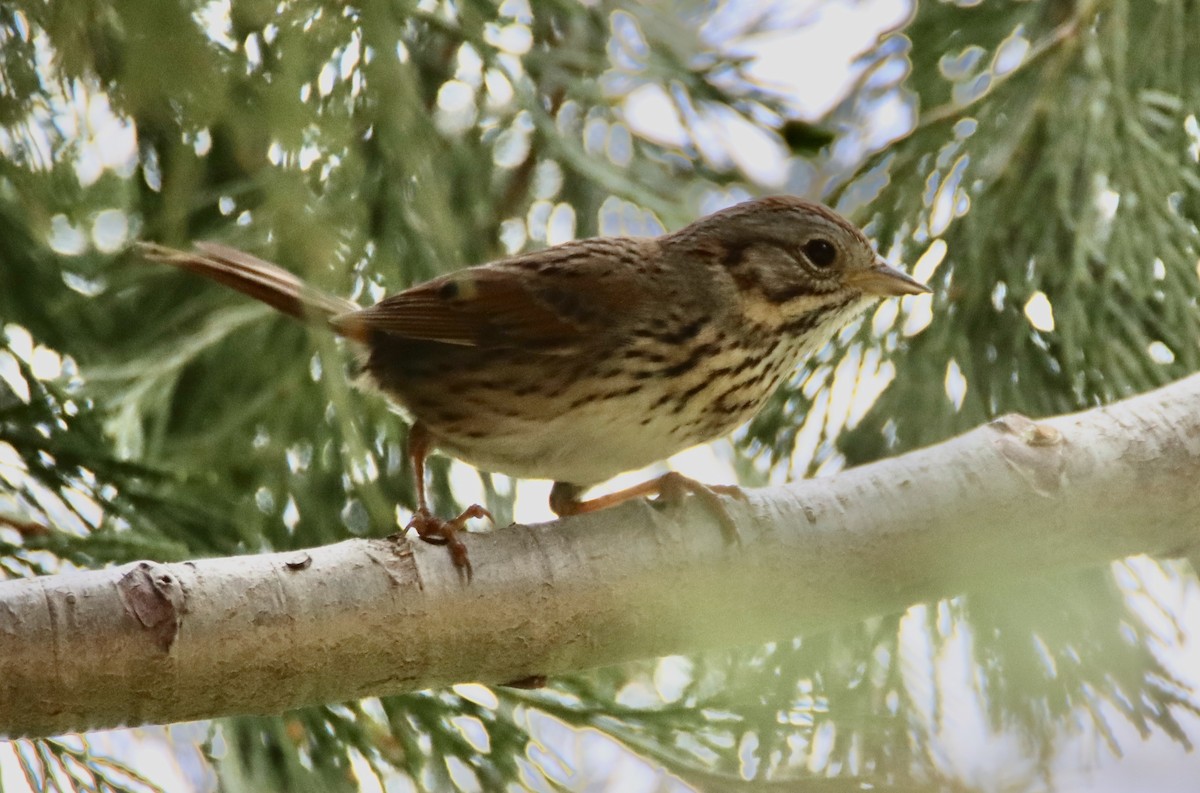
(880, 280)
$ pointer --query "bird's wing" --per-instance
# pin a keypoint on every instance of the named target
(552, 300)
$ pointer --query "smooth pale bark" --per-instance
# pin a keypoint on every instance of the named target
(148, 642)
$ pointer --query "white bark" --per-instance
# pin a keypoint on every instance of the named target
(149, 642)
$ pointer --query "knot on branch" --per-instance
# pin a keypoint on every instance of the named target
(153, 596)
(1035, 451)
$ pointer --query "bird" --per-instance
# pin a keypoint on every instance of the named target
(587, 359)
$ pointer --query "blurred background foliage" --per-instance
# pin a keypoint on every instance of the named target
(1035, 160)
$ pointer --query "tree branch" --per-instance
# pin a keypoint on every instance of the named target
(149, 642)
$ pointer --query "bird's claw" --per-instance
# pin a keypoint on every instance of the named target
(439, 531)
(673, 486)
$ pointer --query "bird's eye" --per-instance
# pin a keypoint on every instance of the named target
(820, 252)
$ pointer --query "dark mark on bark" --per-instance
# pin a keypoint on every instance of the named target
(153, 597)
(301, 561)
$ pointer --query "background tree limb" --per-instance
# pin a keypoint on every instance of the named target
(1015, 498)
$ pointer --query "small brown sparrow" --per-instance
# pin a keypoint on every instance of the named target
(594, 357)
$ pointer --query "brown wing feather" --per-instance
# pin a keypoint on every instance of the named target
(552, 300)
(477, 307)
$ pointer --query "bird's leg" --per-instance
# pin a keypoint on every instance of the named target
(671, 487)
(428, 526)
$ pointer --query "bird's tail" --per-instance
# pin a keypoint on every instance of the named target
(257, 278)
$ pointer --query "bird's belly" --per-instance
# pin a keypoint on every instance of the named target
(558, 443)
(586, 438)
(578, 419)
(585, 444)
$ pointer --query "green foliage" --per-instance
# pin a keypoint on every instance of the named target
(1051, 157)
(1072, 175)
(65, 493)
(70, 764)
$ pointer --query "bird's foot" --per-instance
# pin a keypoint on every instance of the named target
(670, 488)
(439, 531)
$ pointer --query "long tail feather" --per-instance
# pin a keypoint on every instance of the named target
(257, 278)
